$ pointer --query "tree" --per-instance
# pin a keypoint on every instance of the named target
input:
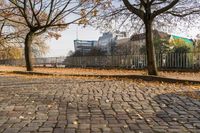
(161, 46)
(39, 46)
(76, 54)
(96, 52)
(45, 17)
(146, 14)
(197, 46)
(160, 41)
(180, 56)
(10, 53)
(11, 39)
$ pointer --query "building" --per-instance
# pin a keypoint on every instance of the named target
(119, 44)
(120, 35)
(122, 47)
(108, 40)
(134, 44)
(176, 40)
(84, 46)
(137, 41)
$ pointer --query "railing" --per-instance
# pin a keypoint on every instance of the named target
(45, 62)
(164, 61)
(134, 61)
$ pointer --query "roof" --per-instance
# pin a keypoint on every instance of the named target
(186, 40)
(137, 37)
(141, 36)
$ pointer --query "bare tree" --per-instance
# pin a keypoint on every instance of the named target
(143, 15)
(45, 17)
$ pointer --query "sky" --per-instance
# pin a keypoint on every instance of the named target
(65, 43)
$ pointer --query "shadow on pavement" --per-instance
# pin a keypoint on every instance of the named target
(179, 111)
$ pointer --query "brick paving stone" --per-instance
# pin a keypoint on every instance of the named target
(19, 125)
(70, 130)
(59, 130)
(12, 130)
(60, 105)
(45, 129)
(29, 129)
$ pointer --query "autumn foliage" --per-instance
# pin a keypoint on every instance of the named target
(46, 18)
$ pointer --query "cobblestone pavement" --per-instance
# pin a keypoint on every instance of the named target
(61, 105)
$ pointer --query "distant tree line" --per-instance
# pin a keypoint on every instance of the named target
(93, 52)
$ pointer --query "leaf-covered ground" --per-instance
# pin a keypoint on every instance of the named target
(176, 75)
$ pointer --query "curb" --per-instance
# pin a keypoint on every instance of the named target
(142, 77)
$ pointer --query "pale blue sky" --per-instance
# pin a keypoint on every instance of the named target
(65, 43)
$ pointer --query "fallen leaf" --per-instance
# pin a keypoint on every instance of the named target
(75, 122)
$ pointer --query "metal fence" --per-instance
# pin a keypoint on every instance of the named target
(164, 61)
(44, 62)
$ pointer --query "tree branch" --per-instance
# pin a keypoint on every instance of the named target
(164, 9)
(134, 10)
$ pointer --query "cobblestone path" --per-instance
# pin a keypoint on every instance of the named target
(62, 105)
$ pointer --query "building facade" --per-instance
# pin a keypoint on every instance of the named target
(107, 42)
(84, 46)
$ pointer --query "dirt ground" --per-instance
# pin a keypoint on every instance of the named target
(176, 75)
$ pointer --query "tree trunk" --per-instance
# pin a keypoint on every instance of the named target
(28, 52)
(151, 58)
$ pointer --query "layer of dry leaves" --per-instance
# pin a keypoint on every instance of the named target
(176, 75)
(185, 90)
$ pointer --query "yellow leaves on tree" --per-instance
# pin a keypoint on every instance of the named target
(11, 53)
(87, 15)
(94, 13)
(83, 21)
(54, 35)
